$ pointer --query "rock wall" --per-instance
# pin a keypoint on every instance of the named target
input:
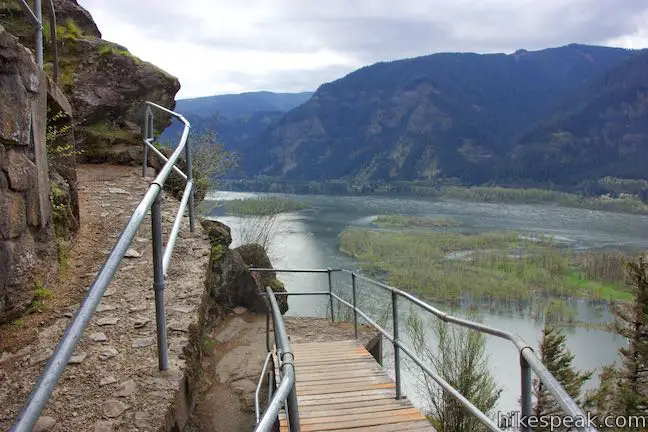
(25, 208)
(106, 84)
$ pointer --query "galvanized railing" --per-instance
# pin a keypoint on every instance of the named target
(286, 393)
(152, 200)
(35, 16)
(527, 358)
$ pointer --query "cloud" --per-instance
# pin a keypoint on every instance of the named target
(220, 46)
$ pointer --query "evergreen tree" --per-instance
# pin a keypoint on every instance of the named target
(558, 360)
(624, 390)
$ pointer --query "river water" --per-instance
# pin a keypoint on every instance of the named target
(309, 239)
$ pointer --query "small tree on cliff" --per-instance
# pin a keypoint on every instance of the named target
(460, 359)
(558, 360)
(624, 390)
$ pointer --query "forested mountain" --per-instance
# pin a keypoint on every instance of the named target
(603, 131)
(442, 115)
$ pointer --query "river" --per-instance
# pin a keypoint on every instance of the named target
(309, 239)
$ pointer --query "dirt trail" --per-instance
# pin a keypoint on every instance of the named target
(112, 382)
(233, 366)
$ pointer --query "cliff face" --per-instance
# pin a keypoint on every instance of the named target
(25, 209)
(106, 85)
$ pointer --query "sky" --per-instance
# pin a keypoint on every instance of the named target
(233, 46)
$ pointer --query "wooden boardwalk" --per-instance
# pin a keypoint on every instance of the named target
(340, 386)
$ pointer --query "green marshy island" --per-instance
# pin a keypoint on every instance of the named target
(496, 266)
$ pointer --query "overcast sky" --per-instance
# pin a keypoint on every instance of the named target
(231, 46)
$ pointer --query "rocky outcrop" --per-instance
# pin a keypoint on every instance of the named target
(255, 255)
(229, 280)
(25, 209)
(106, 85)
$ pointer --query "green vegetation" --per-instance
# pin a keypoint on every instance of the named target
(69, 31)
(109, 48)
(412, 221)
(493, 266)
(623, 390)
(460, 358)
(261, 206)
(41, 294)
(624, 204)
(106, 130)
(558, 360)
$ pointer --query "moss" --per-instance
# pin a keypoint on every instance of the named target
(20, 323)
(40, 292)
(110, 49)
(216, 253)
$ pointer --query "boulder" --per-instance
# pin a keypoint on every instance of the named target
(218, 232)
(255, 255)
(231, 284)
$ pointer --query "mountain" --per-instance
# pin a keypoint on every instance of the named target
(243, 104)
(236, 118)
(444, 115)
(601, 132)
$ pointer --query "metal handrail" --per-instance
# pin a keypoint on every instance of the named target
(44, 387)
(257, 404)
(528, 360)
(286, 392)
(35, 16)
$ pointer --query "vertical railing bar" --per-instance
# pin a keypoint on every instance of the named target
(52, 21)
(147, 113)
(396, 344)
(526, 389)
(355, 307)
(38, 32)
(330, 287)
(192, 210)
(158, 282)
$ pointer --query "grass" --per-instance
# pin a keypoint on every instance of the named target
(412, 221)
(261, 206)
(499, 266)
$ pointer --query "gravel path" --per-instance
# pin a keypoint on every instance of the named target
(113, 383)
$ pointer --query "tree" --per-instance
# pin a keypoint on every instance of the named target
(460, 359)
(558, 360)
(624, 389)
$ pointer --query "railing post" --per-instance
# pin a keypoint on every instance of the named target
(147, 134)
(189, 159)
(330, 287)
(355, 307)
(158, 281)
(397, 372)
(525, 394)
(38, 32)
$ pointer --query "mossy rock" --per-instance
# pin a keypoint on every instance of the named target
(219, 233)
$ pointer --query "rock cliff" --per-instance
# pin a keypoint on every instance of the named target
(106, 85)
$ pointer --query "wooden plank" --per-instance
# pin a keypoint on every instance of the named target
(355, 412)
(374, 417)
(417, 426)
(334, 376)
(342, 389)
(383, 402)
(377, 393)
(340, 386)
(304, 381)
(343, 423)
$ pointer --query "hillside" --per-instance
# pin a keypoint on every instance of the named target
(236, 118)
(243, 104)
(602, 132)
(442, 115)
